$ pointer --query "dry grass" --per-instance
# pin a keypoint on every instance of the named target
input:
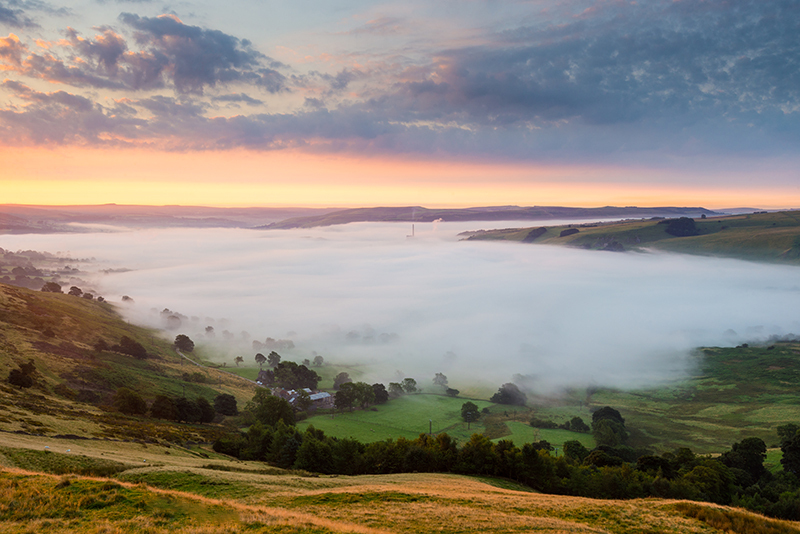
(285, 502)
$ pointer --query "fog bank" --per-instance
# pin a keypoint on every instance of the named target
(477, 311)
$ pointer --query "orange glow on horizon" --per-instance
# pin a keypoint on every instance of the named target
(283, 178)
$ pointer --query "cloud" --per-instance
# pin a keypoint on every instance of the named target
(199, 57)
(625, 63)
(363, 293)
(608, 82)
(11, 52)
(186, 58)
(238, 98)
(15, 18)
(13, 13)
(381, 26)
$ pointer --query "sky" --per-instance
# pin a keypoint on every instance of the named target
(480, 312)
(445, 103)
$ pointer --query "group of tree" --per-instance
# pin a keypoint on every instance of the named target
(576, 424)
(75, 291)
(179, 409)
(406, 387)
(736, 477)
(361, 394)
(509, 394)
(681, 227)
(289, 375)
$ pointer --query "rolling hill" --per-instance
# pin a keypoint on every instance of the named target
(758, 236)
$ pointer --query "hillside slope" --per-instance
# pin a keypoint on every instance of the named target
(73, 382)
(759, 236)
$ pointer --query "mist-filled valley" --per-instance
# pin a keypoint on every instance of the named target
(483, 313)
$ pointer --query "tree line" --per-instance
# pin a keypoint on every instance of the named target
(736, 477)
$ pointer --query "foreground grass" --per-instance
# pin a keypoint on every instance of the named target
(33, 502)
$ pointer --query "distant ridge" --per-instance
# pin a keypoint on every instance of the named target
(489, 213)
(25, 219)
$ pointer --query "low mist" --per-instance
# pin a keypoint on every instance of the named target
(480, 312)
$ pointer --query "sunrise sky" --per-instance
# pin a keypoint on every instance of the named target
(435, 103)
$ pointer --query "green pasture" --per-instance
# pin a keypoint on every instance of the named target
(736, 393)
(407, 416)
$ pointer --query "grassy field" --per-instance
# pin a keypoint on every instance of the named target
(757, 237)
(408, 416)
(736, 393)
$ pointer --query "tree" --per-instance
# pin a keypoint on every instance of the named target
(791, 455)
(609, 432)
(380, 393)
(289, 375)
(409, 385)
(747, 455)
(164, 408)
(365, 395)
(318, 360)
(576, 424)
(129, 402)
(340, 379)
(225, 404)
(260, 359)
(75, 291)
(346, 396)
(131, 348)
(273, 358)
(51, 287)
(183, 343)
(270, 409)
(509, 394)
(188, 411)
(440, 380)
(607, 412)
(470, 412)
(395, 389)
(207, 412)
(450, 392)
(237, 360)
(787, 432)
(574, 449)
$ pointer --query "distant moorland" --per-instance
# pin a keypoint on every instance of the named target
(757, 236)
